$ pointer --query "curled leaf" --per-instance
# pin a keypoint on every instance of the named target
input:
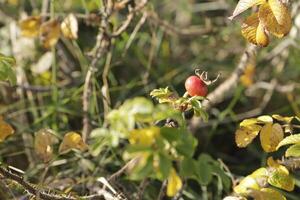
(254, 31)
(275, 17)
(243, 5)
(72, 140)
(293, 151)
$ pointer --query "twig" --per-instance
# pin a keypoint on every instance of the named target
(128, 165)
(162, 190)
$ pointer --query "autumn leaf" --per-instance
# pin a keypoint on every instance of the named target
(30, 27)
(246, 185)
(270, 136)
(5, 130)
(292, 139)
(266, 194)
(280, 178)
(243, 5)
(174, 183)
(248, 76)
(69, 27)
(70, 141)
(44, 139)
(245, 134)
(265, 119)
(275, 17)
(50, 33)
(254, 31)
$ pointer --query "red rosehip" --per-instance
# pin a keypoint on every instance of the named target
(195, 86)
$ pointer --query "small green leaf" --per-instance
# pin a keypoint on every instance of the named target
(163, 95)
(204, 170)
(171, 134)
(186, 144)
(188, 168)
(165, 165)
(293, 151)
(7, 72)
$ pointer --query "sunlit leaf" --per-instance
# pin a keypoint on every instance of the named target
(243, 5)
(246, 185)
(50, 33)
(70, 141)
(293, 151)
(275, 17)
(174, 183)
(5, 130)
(163, 95)
(245, 134)
(144, 137)
(279, 177)
(30, 27)
(69, 27)
(283, 119)
(270, 136)
(292, 139)
(267, 194)
(272, 163)
(265, 119)
(254, 32)
(248, 122)
(44, 139)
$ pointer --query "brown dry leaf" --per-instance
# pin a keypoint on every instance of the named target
(270, 136)
(72, 140)
(50, 33)
(5, 130)
(30, 27)
(275, 17)
(69, 27)
(243, 5)
(245, 135)
(254, 32)
(44, 139)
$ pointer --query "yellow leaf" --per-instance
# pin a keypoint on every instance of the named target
(174, 183)
(72, 140)
(259, 173)
(292, 139)
(280, 178)
(30, 27)
(144, 137)
(267, 194)
(246, 185)
(44, 139)
(270, 136)
(69, 27)
(50, 33)
(245, 135)
(247, 122)
(243, 5)
(283, 119)
(275, 17)
(272, 163)
(5, 130)
(247, 78)
(265, 119)
(254, 32)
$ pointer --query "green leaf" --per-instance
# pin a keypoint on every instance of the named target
(7, 72)
(165, 165)
(139, 173)
(293, 151)
(171, 134)
(163, 95)
(292, 139)
(186, 144)
(188, 168)
(204, 171)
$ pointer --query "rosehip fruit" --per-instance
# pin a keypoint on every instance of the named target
(195, 86)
